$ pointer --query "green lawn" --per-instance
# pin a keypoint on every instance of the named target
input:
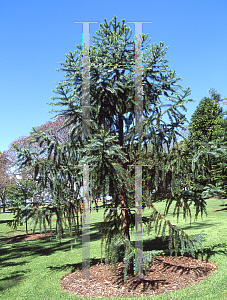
(33, 269)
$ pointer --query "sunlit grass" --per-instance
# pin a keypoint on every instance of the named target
(33, 269)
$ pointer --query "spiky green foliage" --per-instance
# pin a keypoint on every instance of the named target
(207, 125)
(106, 159)
(202, 159)
(205, 121)
(186, 184)
(111, 152)
(178, 239)
(130, 252)
(56, 171)
(219, 164)
(215, 151)
(17, 195)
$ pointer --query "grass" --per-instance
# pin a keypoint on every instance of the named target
(33, 269)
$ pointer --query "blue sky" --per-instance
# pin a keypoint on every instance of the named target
(36, 35)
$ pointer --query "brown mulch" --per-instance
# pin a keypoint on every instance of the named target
(168, 274)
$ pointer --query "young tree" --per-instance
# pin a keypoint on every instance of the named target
(112, 103)
(111, 152)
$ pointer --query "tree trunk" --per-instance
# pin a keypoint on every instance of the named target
(26, 227)
(125, 223)
(120, 119)
(4, 205)
(210, 173)
(123, 198)
(125, 226)
(77, 219)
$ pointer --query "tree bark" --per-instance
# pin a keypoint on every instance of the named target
(3, 204)
(125, 225)
(121, 139)
(26, 227)
(123, 198)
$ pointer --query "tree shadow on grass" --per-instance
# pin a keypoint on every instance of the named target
(6, 212)
(6, 263)
(75, 267)
(207, 253)
(225, 208)
(198, 225)
(156, 244)
(12, 279)
(4, 221)
(42, 246)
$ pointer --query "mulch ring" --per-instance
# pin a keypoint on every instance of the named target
(168, 274)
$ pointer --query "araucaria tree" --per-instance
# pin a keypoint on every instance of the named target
(113, 146)
(205, 122)
(204, 142)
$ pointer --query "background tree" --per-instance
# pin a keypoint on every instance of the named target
(206, 137)
(55, 131)
(216, 97)
(19, 196)
(54, 173)
(219, 171)
(205, 121)
(218, 151)
(204, 125)
(6, 177)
